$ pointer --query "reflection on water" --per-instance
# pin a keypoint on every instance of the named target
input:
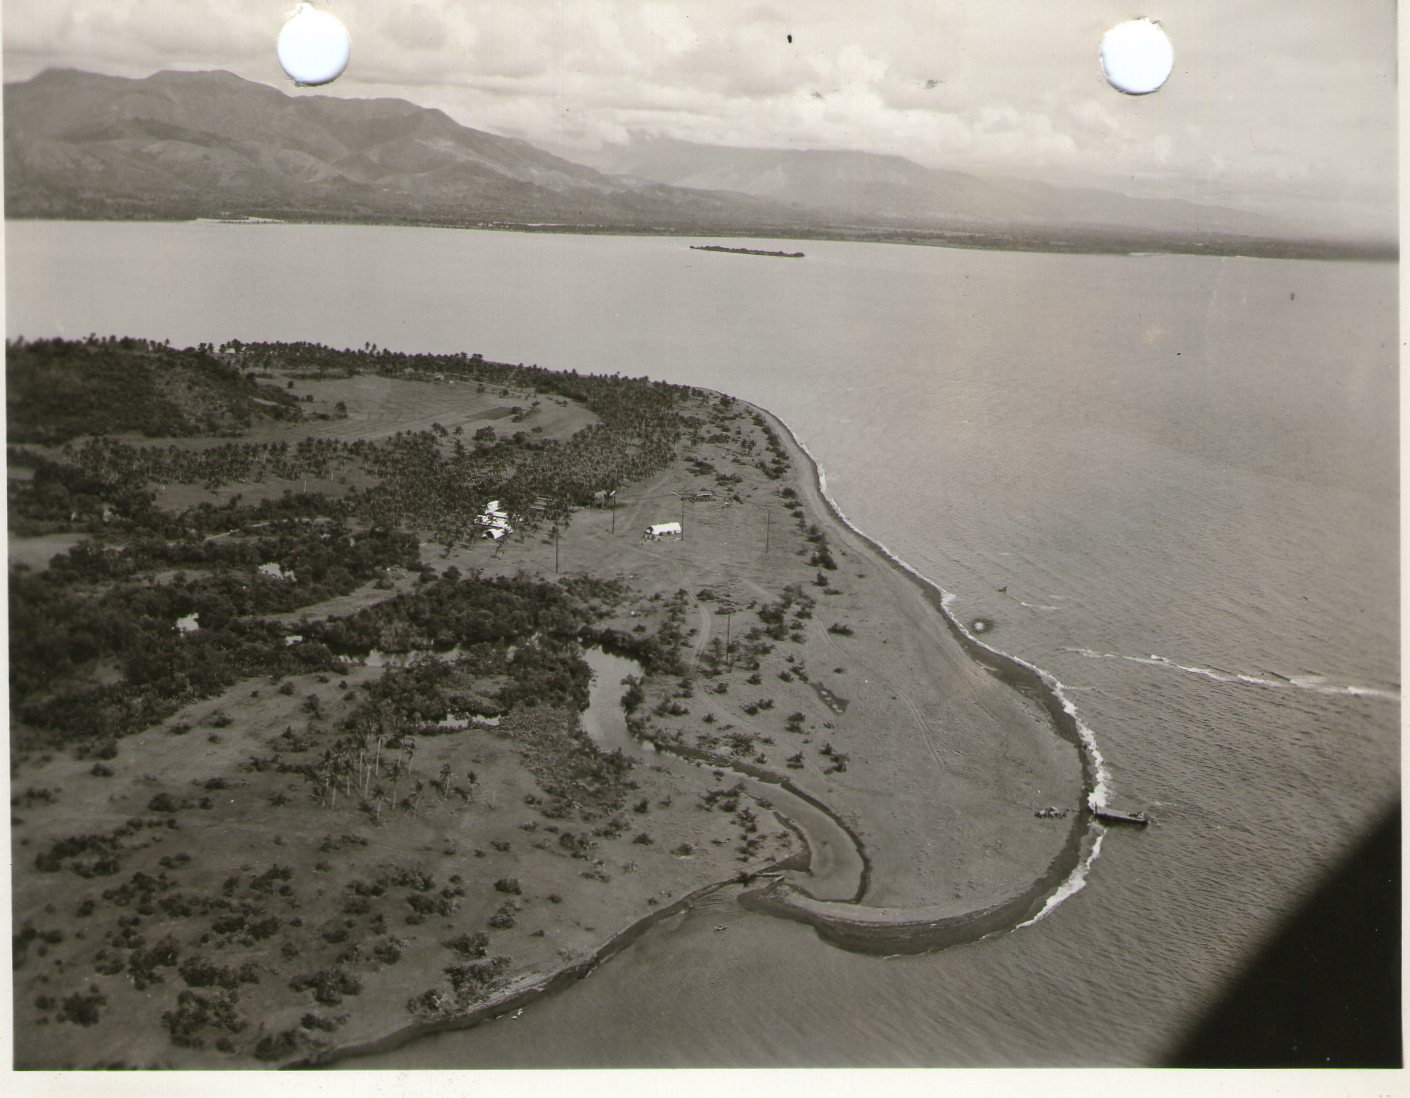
(604, 720)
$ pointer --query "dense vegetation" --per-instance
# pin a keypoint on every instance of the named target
(96, 651)
(311, 698)
(431, 478)
(58, 389)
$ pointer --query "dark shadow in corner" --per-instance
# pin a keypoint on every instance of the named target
(1325, 992)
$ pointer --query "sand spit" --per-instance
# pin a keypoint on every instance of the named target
(871, 855)
(890, 929)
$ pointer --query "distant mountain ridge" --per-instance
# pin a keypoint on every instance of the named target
(179, 144)
(858, 184)
(183, 145)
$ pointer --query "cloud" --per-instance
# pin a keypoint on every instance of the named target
(1014, 89)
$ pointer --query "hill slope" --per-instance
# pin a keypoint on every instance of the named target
(179, 145)
(56, 390)
(891, 189)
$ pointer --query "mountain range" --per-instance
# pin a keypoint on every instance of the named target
(178, 145)
(181, 144)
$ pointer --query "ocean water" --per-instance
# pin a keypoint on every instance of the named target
(1170, 482)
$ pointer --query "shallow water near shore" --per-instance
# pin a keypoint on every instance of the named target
(1169, 482)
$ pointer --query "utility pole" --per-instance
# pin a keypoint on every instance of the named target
(555, 547)
(768, 523)
(612, 503)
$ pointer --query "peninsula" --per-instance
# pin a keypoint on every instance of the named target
(305, 764)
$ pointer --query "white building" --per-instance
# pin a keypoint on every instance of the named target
(188, 624)
(274, 571)
(663, 530)
(495, 520)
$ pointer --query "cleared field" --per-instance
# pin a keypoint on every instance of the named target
(381, 406)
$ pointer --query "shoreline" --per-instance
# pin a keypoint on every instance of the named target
(848, 924)
(538, 985)
(968, 240)
(911, 930)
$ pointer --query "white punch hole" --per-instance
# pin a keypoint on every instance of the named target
(313, 46)
(1137, 56)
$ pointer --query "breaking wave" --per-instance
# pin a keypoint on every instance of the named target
(1314, 683)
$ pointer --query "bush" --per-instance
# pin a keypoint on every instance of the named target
(328, 986)
(196, 1013)
(277, 1046)
(388, 952)
(477, 979)
(84, 1009)
(469, 946)
(509, 885)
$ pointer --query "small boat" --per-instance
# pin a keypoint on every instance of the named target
(1112, 815)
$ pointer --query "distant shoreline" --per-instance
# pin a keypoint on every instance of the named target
(983, 239)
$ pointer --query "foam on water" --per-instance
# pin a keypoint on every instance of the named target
(1314, 683)
(1076, 880)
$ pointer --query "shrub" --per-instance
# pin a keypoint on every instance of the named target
(469, 946)
(196, 1013)
(277, 1046)
(477, 979)
(84, 1009)
(328, 986)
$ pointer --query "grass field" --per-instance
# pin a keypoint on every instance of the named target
(378, 407)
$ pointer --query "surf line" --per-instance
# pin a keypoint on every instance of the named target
(893, 931)
(1238, 678)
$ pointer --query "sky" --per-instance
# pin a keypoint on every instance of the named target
(1289, 108)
